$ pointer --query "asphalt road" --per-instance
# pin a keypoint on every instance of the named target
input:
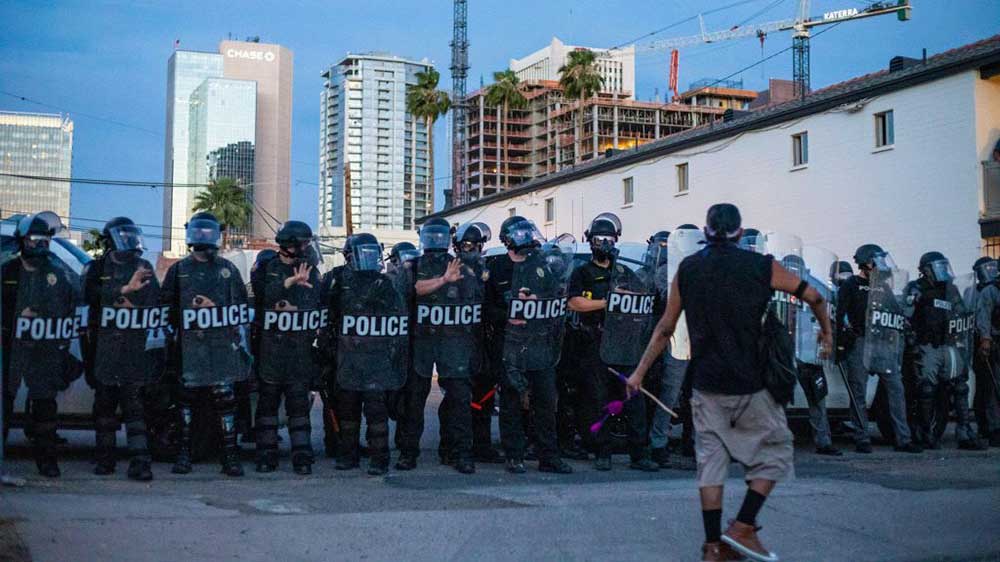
(943, 505)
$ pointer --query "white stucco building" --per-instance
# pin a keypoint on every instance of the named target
(899, 157)
(617, 67)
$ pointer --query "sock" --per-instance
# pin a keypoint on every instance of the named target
(712, 518)
(752, 503)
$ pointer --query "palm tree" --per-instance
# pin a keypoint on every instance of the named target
(93, 246)
(580, 80)
(426, 102)
(227, 200)
(505, 93)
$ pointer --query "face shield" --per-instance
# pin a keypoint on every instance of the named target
(656, 253)
(752, 243)
(883, 262)
(126, 238)
(366, 257)
(524, 235)
(987, 272)
(202, 233)
(435, 238)
(475, 230)
(35, 245)
(939, 271)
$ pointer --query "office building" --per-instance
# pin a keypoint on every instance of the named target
(367, 134)
(35, 144)
(617, 67)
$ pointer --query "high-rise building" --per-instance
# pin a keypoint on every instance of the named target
(617, 67)
(366, 131)
(35, 144)
(228, 112)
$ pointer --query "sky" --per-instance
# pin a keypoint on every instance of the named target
(104, 63)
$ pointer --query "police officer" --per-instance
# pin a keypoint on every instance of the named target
(40, 294)
(986, 403)
(589, 286)
(852, 310)
(530, 345)
(939, 323)
(369, 318)
(210, 313)
(118, 368)
(290, 315)
(401, 254)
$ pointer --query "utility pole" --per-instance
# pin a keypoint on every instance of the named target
(459, 73)
(348, 213)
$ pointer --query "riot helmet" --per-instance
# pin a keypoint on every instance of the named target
(363, 253)
(470, 238)
(752, 241)
(723, 223)
(522, 236)
(263, 257)
(435, 235)
(33, 235)
(840, 271)
(505, 225)
(656, 250)
(402, 252)
(865, 255)
(603, 234)
(936, 268)
(122, 236)
(203, 233)
(294, 239)
(986, 270)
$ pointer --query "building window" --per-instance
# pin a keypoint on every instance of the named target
(800, 149)
(628, 190)
(682, 178)
(550, 210)
(884, 133)
(511, 211)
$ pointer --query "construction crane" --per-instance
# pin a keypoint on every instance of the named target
(459, 73)
(799, 26)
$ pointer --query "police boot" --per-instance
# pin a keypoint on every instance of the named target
(44, 420)
(661, 456)
(347, 449)
(603, 461)
(105, 454)
(641, 461)
(378, 448)
(182, 464)
(267, 461)
(140, 469)
(925, 434)
(463, 463)
(302, 462)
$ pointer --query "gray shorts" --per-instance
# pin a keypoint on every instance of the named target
(750, 429)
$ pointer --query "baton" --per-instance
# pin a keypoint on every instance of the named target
(479, 405)
(622, 378)
(993, 375)
(850, 394)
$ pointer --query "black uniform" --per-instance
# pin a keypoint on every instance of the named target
(289, 319)
(484, 382)
(592, 281)
(118, 363)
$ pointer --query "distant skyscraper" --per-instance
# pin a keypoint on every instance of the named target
(228, 115)
(616, 67)
(364, 125)
(35, 144)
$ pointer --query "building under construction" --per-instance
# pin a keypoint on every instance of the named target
(541, 139)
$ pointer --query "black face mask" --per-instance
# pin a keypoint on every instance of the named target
(127, 256)
(471, 256)
(36, 257)
(603, 250)
(207, 252)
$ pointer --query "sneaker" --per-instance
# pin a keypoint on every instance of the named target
(406, 462)
(487, 455)
(719, 552)
(602, 464)
(464, 465)
(972, 445)
(515, 466)
(556, 466)
(104, 467)
(645, 464)
(140, 470)
(908, 448)
(743, 538)
(661, 456)
(864, 448)
(829, 450)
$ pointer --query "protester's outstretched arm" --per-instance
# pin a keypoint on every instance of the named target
(788, 282)
(661, 337)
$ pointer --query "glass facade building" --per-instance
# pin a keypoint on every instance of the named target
(35, 144)
(365, 128)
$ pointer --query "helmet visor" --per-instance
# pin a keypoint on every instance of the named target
(656, 253)
(126, 238)
(407, 255)
(477, 232)
(940, 271)
(202, 232)
(987, 272)
(435, 237)
(883, 261)
(524, 234)
(614, 223)
(752, 243)
(367, 257)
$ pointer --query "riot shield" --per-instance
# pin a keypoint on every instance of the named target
(628, 316)
(817, 264)
(682, 243)
(45, 327)
(124, 326)
(962, 324)
(372, 332)
(787, 250)
(448, 320)
(884, 320)
(212, 323)
(290, 317)
(537, 308)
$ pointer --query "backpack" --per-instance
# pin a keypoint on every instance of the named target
(777, 350)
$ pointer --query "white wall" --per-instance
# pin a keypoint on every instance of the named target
(919, 195)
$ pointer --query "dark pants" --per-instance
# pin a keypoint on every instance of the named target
(223, 400)
(107, 399)
(541, 393)
(986, 403)
(410, 418)
(857, 377)
(484, 383)
(942, 370)
(296, 397)
(598, 387)
(350, 405)
(455, 417)
(43, 423)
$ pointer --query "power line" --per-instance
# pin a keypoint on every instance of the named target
(81, 114)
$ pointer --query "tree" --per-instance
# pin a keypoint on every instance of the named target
(93, 246)
(425, 101)
(505, 93)
(227, 200)
(580, 80)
